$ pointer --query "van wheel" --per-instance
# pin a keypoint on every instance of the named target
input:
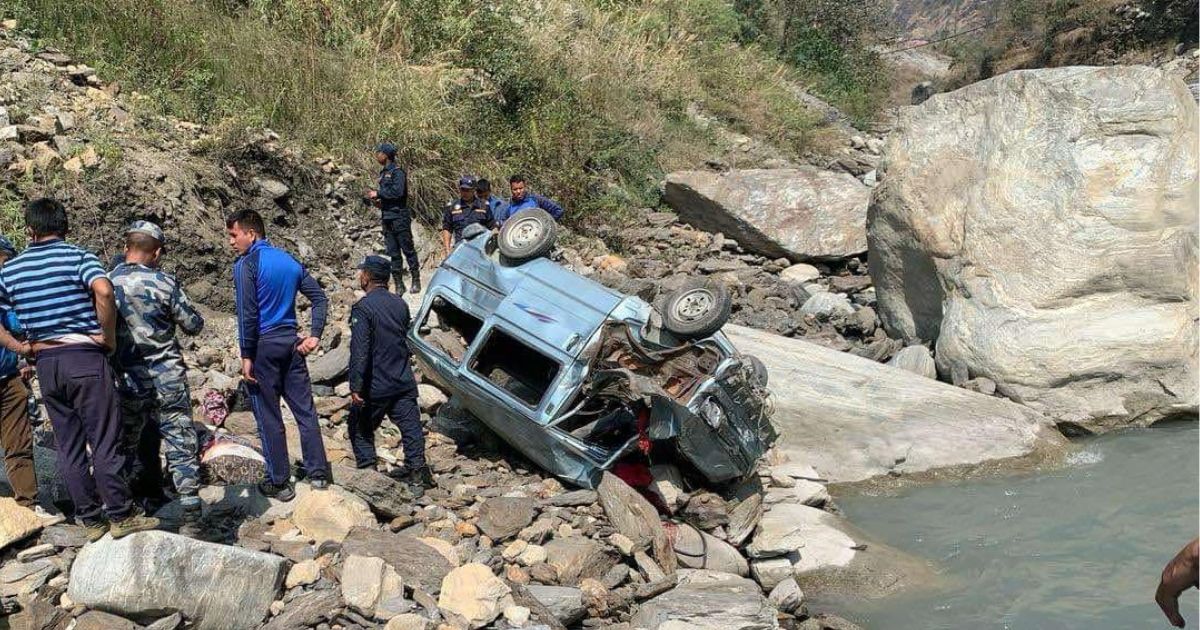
(527, 234)
(696, 310)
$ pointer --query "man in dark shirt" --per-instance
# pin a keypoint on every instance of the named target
(381, 377)
(467, 209)
(392, 199)
(265, 281)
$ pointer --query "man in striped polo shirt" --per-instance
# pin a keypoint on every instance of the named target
(65, 302)
(265, 282)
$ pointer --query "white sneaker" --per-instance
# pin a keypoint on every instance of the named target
(47, 517)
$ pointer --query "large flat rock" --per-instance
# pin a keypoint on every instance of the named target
(853, 419)
(149, 574)
(799, 213)
(1041, 228)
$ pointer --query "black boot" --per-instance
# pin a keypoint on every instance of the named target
(398, 279)
(422, 477)
(416, 282)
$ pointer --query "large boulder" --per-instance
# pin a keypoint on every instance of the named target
(16, 522)
(217, 587)
(708, 600)
(799, 213)
(1040, 227)
(853, 419)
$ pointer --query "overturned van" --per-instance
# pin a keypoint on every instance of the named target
(578, 377)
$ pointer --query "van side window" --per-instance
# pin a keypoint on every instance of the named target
(449, 329)
(515, 367)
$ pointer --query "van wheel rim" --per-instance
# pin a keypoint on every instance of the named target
(693, 305)
(525, 232)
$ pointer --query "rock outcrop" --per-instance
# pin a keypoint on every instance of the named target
(799, 213)
(1041, 228)
(853, 419)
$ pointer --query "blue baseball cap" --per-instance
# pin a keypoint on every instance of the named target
(388, 149)
(466, 181)
(6, 247)
(375, 264)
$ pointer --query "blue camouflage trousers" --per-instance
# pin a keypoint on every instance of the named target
(160, 421)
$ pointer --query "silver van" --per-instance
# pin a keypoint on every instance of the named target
(578, 377)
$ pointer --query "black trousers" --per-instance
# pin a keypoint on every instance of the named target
(398, 241)
(405, 414)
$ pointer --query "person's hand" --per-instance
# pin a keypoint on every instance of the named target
(25, 349)
(307, 345)
(372, 194)
(248, 371)
(26, 373)
(1178, 576)
(355, 399)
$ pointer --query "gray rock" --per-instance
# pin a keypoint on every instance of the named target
(700, 550)
(853, 419)
(827, 305)
(98, 620)
(787, 596)
(420, 565)
(915, 359)
(1074, 290)
(331, 366)
(384, 494)
(502, 517)
(709, 601)
(577, 558)
(800, 213)
(307, 610)
(170, 622)
(565, 602)
(800, 273)
(633, 516)
(272, 188)
(214, 586)
(573, 498)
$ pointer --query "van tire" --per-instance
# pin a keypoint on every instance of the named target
(526, 235)
(696, 310)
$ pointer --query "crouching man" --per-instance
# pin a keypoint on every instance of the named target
(156, 406)
(381, 377)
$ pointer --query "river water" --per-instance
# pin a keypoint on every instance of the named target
(1077, 547)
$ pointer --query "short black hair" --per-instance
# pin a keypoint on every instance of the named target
(46, 217)
(378, 277)
(139, 242)
(516, 177)
(483, 184)
(247, 220)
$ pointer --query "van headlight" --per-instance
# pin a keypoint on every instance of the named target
(712, 413)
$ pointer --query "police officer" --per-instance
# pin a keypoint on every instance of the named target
(392, 199)
(156, 407)
(463, 212)
(381, 377)
(483, 192)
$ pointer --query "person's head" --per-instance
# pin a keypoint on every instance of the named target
(244, 227)
(483, 188)
(45, 218)
(466, 188)
(385, 153)
(374, 271)
(516, 183)
(7, 250)
(144, 243)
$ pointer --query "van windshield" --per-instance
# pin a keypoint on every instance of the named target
(515, 367)
(449, 329)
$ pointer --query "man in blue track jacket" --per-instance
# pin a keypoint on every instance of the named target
(266, 280)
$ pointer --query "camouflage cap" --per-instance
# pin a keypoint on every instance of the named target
(6, 247)
(147, 228)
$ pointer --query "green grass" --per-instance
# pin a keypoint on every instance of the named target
(589, 98)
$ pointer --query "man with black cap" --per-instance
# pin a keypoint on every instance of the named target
(381, 377)
(156, 405)
(392, 199)
(463, 212)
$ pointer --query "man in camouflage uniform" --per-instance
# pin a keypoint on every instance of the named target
(155, 402)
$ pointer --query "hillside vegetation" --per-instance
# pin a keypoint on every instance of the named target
(591, 99)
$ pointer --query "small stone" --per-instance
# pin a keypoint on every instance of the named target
(514, 550)
(533, 554)
(517, 615)
(787, 596)
(303, 573)
(799, 274)
(407, 621)
(475, 594)
(35, 552)
(622, 543)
